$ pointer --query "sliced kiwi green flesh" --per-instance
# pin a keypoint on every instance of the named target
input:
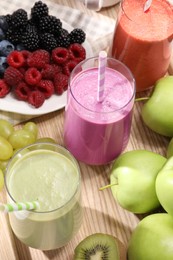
(98, 246)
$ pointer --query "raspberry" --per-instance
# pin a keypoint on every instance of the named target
(38, 59)
(32, 76)
(15, 59)
(48, 72)
(46, 87)
(57, 68)
(60, 55)
(60, 83)
(26, 55)
(13, 76)
(77, 52)
(36, 98)
(22, 91)
(4, 88)
(68, 67)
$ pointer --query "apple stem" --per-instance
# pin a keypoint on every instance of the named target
(141, 99)
(107, 186)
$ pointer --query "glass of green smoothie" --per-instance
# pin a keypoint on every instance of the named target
(49, 174)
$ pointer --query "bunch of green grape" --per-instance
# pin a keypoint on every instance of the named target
(11, 140)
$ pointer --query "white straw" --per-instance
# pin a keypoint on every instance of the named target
(10, 207)
(147, 5)
(101, 75)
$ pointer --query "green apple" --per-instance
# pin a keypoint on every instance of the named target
(164, 186)
(134, 174)
(169, 151)
(152, 239)
(157, 112)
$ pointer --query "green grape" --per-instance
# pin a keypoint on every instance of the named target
(1, 180)
(32, 127)
(6, 149)
(45, 140)
(6, 128)
(21, 138)
(3, 165)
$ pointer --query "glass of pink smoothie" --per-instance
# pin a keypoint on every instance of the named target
(143, 40)
(97, 132)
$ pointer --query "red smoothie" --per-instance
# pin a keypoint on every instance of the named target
(142, 40)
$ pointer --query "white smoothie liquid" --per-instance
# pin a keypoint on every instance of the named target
(53, 180)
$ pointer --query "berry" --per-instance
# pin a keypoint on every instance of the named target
(19, 19)
(2, 35)
(63, 41)
(60, 83)
(46, 87)
(12, 76)
(38, 59)
(14, 35)
(3, 65)
(36, 98)
(3, 23)
(5, 48)
(15, 59)
(30, 40)
(4, 88)
(48, 72)
(38, 11)
(60, 55)
(68, 67)
(26, 55)
(32, 76)
(19, 47)
(77, 36)
(22, 91)
(77, 52)
(50, 24)
(47, 41)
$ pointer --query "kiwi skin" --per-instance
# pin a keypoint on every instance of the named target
(100, 246)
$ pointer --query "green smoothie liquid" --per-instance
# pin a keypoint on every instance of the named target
(53, 180)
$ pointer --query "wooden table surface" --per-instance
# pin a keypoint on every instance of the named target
(101, 211)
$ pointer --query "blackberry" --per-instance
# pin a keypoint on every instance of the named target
(77, 36)
(39, 10)
(63, 40)
(30, 40)
(31, 28)
(50, 24)
(8, 18)
(19, 19)
(14, 36)
(47, 41)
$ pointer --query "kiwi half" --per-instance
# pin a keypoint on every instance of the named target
(100, 246)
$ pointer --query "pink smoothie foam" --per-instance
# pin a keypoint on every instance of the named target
(96, 133)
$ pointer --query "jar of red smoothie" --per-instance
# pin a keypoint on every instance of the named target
(143, 40)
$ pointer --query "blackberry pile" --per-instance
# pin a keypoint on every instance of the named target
(39, 30)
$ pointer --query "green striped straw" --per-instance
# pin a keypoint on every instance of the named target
(10, 207)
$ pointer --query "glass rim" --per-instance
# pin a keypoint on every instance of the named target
(55, 145)
(106, 112)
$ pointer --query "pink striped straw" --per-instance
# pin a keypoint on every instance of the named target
(101, 75)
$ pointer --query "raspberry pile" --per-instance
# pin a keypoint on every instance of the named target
(35, 76)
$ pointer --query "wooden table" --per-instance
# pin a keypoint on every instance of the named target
(101, 211)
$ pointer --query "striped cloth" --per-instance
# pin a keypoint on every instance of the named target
(98, 29)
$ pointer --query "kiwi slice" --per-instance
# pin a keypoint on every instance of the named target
(100, 246)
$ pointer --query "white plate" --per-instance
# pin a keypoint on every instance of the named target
(55, 102)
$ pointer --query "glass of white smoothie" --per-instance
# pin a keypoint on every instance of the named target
(49, 174)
